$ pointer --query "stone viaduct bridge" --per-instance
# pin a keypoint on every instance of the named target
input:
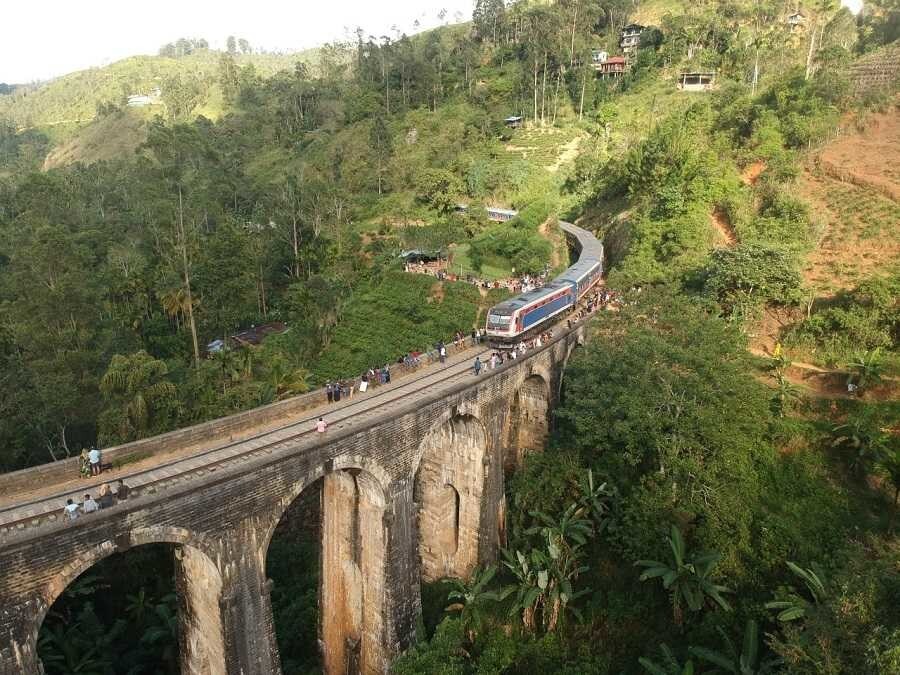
(410, 478)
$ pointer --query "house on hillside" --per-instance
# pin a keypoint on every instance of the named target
(598, 57)
(495, 213)
(630, 39)
(500, 215)
(613, 67)
(141, 100)
(796, 22)
(699, 81)
(252, 336)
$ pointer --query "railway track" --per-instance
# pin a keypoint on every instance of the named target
(25, 515)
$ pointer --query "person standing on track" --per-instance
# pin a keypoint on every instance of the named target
(94, 457)
(321, 425)
(477, 366)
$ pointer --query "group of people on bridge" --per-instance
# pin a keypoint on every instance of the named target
(105, 498)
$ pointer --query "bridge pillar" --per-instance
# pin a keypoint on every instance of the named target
(352, 590)
(18, 639)
(248, 628)
(199, 589)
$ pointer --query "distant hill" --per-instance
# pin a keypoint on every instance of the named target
(85, 115)
(74, 98)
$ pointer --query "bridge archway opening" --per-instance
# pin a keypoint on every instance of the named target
(293, 563)
(326, 563)
(153, 607)
(528, 422)
(448, 491)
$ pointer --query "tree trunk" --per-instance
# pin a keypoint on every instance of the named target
(543, 89)
(572, 50)
(581, 103)
(812, 50)
(556, 95)
(755, 72)
(295, 244)
(535, 89)
(187, 278)
(894, 510)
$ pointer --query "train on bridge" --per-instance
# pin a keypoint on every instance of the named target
(529, 313)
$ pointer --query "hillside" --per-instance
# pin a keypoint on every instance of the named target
(72, 100)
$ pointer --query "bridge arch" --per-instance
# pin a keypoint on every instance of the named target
(448, 488)
(528, 421)
(198, 585)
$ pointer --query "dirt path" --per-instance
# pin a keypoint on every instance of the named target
(752, 172)
(722, 224)
(568, 154)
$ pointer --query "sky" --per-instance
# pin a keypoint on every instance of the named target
(47, 38)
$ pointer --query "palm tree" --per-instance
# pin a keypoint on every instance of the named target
(472, 597)
(139, 381)
(746, 662)
(797, 607)
(178, 303)
(686, 577)
(669, 666)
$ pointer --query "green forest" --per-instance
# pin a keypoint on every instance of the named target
(696, 509)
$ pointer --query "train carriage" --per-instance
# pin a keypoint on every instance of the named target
(528, 313)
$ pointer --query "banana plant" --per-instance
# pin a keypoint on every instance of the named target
(796, 607)
(867, 368)
(471, 598)
(687, 577)
(669, 666)
(748, 661)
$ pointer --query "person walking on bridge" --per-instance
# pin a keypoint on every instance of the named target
(477, 365)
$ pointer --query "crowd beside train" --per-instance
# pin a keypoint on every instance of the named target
(519, 284)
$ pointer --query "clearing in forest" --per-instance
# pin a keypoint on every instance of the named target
(854, 194)
(548, 147)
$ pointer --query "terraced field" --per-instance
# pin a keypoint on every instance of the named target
(548, 147)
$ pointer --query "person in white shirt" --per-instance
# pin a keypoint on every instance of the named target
(89, 505)
(321, 426)
(71, 509)
(94, 459)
